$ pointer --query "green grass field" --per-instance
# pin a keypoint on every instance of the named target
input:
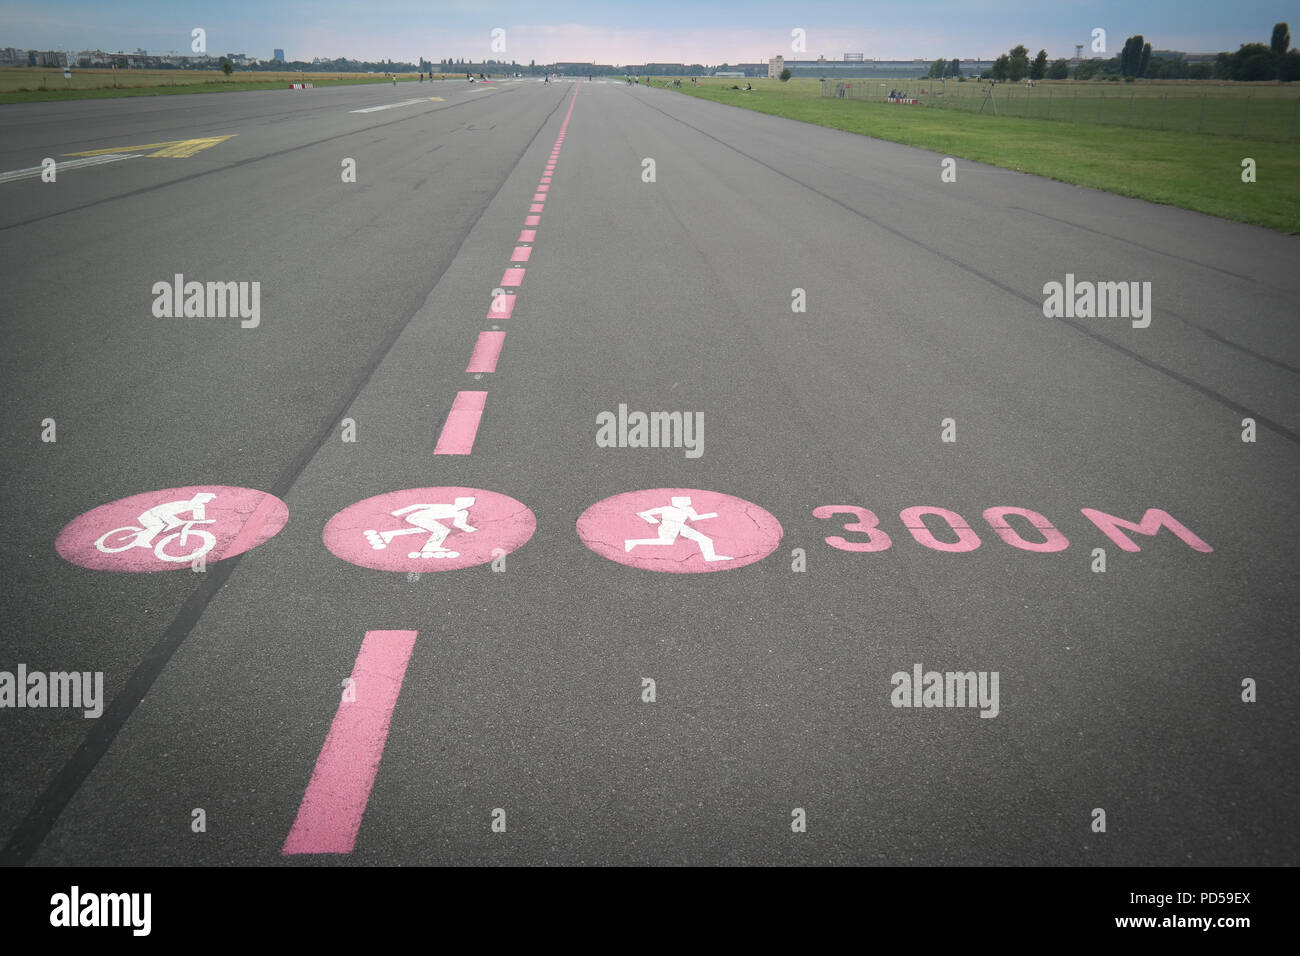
(42, 84)
(1195, 171)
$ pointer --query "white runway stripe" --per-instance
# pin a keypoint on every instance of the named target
(34, 171)
(389, 106)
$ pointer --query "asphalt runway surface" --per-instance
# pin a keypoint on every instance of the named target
(499, 710)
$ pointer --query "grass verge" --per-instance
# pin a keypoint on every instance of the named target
(1197, 172)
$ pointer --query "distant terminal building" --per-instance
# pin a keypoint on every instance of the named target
(860, 65)
(279, 54)
(775, 66)
(728, 72)
(575, 68)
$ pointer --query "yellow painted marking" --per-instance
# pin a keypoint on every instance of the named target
(436, 99)
(175, 149)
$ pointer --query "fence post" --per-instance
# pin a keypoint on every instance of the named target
(1163, 103)
(1073, 105)
(1099, 102)
(1201, 121)
(1130, 107)
(1245, 116)
(1049, 102)
(1294, 113)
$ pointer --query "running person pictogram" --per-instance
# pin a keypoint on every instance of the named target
(426, 519)
(694, 530)
(672, 519)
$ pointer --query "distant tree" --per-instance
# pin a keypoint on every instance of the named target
(1168, 67)
(1059, 70)
(226, 66)
(1222, 69)
(1087, 69)
(1130, 58)
(1252, 61)
(1279, 43)
(1001, 68)
(1038, 69)
(1289, 68)
(1018, 63)
(786, 74)
(1145, 62)
(1281, 38)
(1200, 71)
(938, 68)
(954, 67)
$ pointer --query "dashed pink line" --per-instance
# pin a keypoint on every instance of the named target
(502, 306)
(461, 426)
(329, 816)
(486, 352)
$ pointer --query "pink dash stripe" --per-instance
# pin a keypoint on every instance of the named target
(545, 180)
(521, 254)
(527, 235)
(543, 189)
(248, 533)
(329, 817)
(461, 426)
(539, 196)
(486, 352)
(503, 306)
(513, 277)
(533, 221)
(535, 207)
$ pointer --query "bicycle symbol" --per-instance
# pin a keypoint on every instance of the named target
(165, 518)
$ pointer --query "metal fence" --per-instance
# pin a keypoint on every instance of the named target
(1270, 115)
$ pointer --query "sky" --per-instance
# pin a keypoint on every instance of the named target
(630, 32)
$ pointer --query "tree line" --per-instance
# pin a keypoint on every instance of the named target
(1275, 60)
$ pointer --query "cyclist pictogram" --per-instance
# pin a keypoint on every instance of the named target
(172, 528)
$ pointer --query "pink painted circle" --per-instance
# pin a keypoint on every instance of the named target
(679, 530)
(429, 529)
(172, 529)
